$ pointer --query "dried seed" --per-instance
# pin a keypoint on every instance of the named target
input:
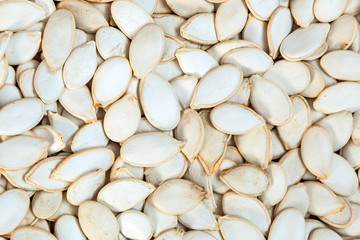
(238, 228)
(88, 136)
(31, 232)
(111, 42)
(289, 223)
(45, 204)
(325, 13)
(135, 225)
(186, 9)
(68, 227)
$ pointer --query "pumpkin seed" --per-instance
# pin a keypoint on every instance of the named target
(183, 87)
(45, 204)
(341, 219)
(244, 228)
(68, 227)
(302, 11)
(9, 93)
(295, 222)
(33, 232)
(352, 229)
(111, 42)
(186, 9)
(89, 136)
(293, 166)
(135, 225)
(296, 197)
(255, 31)
(97, 221)
(325, 13)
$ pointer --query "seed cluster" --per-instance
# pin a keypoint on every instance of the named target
(179, 119)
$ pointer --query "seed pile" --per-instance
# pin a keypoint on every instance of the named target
(179, 119)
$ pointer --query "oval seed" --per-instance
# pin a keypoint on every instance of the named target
(262, 10)
(235, 119)
(177, 196)
(14, 206)
(20, 116)
(17, 15)
(144, 55)
(317, 151)
(111, 42)
(68, 227)
(289, 223)
(159, 102)
(302, 11)
(123, 194)
(129, 17)
(186, 9)
(327, 13)
(246, 179)
(57, 45)
(31, 232)
(296, 197)
(135, 225)
(149, 149)
(237, 228)
(45, 204)
(204, 97)
(98, 222)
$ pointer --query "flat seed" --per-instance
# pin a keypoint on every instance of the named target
(317, 82)
(241, 179)
(235, 119)
(322, 200)
(129, 17)
(342, 219)
(230, 19)
(22, 151)
(171, 234)
(9, 93)
(199, 218)
(195, 61)
(278, 185)
(48, 84)
(72, 167)
(26, 83)
(17, 15)
(276, 110)
(111, 42)
(244, 228)
(296, 197)
(352, 229)
(135, 225)
(123, 194)
(289, 223)
(98, 222)
(177, 196)
(255, 31)
(88, 18)
(303, 42)
(186, 9)
(160, 221)
(342, 32)
(211, 82)
(248, 208)
(293, 166)
(84, 109)
(155, 149)
(214, 146)
(86, 187)
(291, 133)
(250, 60)
(302, 11)
(325, 13)
(39, 175)
(190, 130)
(14, 206)
(89, 136)
(159, 102)
(324, 233)
(68, 227)
(350, 152)
(342, 178)
(29, 232)
(22, 47)
(280, 25)
(341, 70)
(144, 55)
(171, 45)
(198, 235)
(44, 204)
(16, 178)
(262, 10)
(332, 99)
(57, 45)
(259, 153)
(184, 87)
(200, 28)
(317, 151)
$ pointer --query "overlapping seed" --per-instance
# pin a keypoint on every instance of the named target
(179, 120)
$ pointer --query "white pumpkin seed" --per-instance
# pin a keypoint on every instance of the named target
(22, 151)
(238, 228)
(352, 229)
(9, 93)
(296, 197)
(342, 32)
(89, 136)
(159, 102)
(135, 225)
(73, 167)
(199, 218)
(87, 17)
(45, 204)
(97, 221)
(14, 206)
(322, 200)
(171, 45)
(67, 227)
(293, 166)
(86, 187)
(144, 55)
(327, 13)
(171, 234)
(123, 194)
(200, 28)
(177, 196)
(17, 15)
(341, 219)
(129, 17)
(255, 31)
(111, 42)
(183, 87)
(198, 235)
(26, 83)
(250, 60)
(57, 45)
(317, 151)
(186, 9)
(262, 10)
(302, 11)
(204, 97)
(289, 223)
(30, 232)
(241, 179)
(235, 119)
(230, 19)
